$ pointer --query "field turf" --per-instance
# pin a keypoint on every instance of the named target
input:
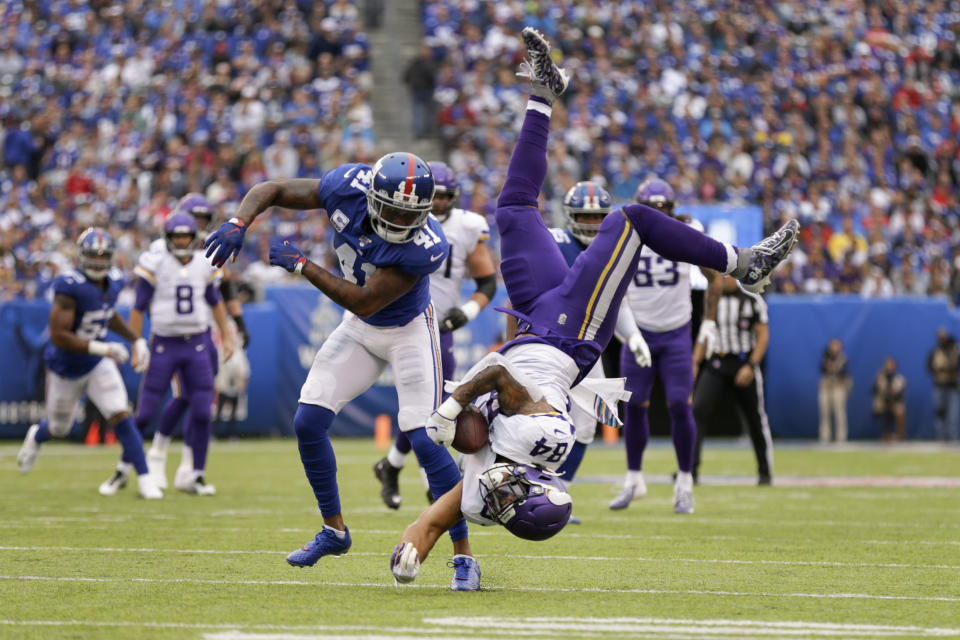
(831, 551)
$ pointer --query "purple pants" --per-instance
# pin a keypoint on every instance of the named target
(672, 355)
(575, 308)
(188, 358)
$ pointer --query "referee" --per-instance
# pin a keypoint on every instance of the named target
(734, 371)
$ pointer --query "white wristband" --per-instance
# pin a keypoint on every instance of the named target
(470, 309)
(299, 268)
(450, 408)
(97, 348)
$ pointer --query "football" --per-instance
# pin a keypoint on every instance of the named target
(472, 431)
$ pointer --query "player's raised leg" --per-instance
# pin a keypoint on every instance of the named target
(532, 263)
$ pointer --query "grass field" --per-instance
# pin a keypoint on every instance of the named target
(796, 560)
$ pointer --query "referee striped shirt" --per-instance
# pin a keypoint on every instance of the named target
(737, 314)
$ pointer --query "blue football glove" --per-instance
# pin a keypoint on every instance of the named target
(287, 256)
(225, 242)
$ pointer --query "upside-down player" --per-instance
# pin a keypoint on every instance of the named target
(566, 316)
(387, 245)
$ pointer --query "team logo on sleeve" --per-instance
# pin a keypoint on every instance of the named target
(339, 220)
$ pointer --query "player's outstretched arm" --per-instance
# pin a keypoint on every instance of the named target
(384, 286)
(434, 522)
(297, 193)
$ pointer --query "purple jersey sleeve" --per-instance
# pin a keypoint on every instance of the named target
(144, 295)
(212, 294)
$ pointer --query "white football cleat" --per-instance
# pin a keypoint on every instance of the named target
(157, 466)
(148, 488)
(27, 456)
(116, 482)
(183, 478)
(198, 487)
(682, 501)
(629, 493)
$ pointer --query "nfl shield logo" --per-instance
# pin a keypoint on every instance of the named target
(339, 220)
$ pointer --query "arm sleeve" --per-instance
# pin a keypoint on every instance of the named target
(487, 285)
(228, 290)
(626, 324)
(144, 294)
(212, 294)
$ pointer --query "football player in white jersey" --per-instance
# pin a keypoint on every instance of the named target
(467, 232)
(197, 206)
(659, 299)
(179, 289)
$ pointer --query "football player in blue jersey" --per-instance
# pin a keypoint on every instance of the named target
(387, 245)
(80, 361)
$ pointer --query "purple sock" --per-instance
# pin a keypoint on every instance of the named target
(528, 162)
(403, 443)
(43, 433)
(675, 240)
(196, 432)
(171, 414)
(636, 433)
(684, 434)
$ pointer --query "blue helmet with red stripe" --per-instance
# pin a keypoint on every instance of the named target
(180, 224)
(400, 196)
(446, 185)
(586, 199)
(656, 193)
(96, 253)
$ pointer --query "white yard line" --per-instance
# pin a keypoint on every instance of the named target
(383, 585)
(802, 563)
(440, 628)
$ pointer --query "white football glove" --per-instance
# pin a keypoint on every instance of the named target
(442, 423)
(113, 350)
(405, 562)
(708, 337)
(641, 352)
(141, 355)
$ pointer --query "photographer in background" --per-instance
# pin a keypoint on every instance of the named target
(943, 363)
(835, 386)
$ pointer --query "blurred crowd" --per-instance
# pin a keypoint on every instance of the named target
(843, 113)
(111, 111)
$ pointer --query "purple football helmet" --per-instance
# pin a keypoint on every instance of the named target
(196, 205)
(531, 503)
(96, 253)
(400, 196)
(656, 193)
(446, 185)
(585, 198)
(180, 224)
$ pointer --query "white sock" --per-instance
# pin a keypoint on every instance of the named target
(633, 477)
(539, 107)
(423, 476)
(124, 467)
(684, 480)
(395, 458)
(161, 442)
(731, 257)
(186, 457)
(340, 534)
